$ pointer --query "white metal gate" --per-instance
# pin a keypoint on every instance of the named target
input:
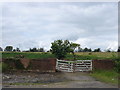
(83, 65)
(74, 66)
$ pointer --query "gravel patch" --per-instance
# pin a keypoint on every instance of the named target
(33, 78)
(52, 80)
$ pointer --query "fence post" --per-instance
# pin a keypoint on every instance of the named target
(69, 67)
(91, 65)
(57, 64)
(73, 66)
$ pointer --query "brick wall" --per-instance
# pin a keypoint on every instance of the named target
(103, 64)
(43, 65)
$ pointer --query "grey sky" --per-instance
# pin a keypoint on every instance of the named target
(33, 24)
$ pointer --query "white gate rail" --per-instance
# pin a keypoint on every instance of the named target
(74, 66)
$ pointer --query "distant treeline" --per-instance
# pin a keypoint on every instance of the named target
(10, 48)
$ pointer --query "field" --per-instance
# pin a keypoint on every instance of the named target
(29, 55)
(79, 55)
(101, 75)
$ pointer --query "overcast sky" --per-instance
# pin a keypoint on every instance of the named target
(28, 25)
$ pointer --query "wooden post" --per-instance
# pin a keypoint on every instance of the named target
(74, 67)
(91, 65)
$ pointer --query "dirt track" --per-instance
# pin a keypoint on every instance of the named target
(59, 80)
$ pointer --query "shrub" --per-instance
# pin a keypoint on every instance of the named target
(4, 67)
(117, 65)
(18, 64)
(14, 63)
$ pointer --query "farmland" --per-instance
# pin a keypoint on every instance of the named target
(79, 55)
(101, 75)
(29, 55)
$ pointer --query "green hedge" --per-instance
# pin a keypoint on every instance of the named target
(117, 65)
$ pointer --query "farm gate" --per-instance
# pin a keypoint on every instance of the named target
(74, 66)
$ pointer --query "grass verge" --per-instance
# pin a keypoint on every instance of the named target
(106, 76)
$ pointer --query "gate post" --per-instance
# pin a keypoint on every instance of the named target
(91, 65)
(57, 64)
(74, 67)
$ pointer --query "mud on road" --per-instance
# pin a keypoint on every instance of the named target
(52, 80)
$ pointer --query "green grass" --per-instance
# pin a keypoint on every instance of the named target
(29, 55)
(99, 54)
(79, 56)
(89, 57)
(106, 76)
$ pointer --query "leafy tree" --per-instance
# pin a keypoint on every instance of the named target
(85, 49)
(1, 49)
(8, 48)
(90, 50)
(60, 48)
(41, 50)
(30, 49)
(17, 49)
(108, 50)
(97, 50)
(33, 50)
(14, 50)
(73, 46)
(80, 49)
(118, 49)
(48, 51)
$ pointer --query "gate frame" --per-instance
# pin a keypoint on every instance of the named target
(71, 65)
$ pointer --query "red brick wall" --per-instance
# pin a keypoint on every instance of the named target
(43, 65)
(103, 64)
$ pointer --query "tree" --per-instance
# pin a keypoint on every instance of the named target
(118, 49)
(30, 50)
(41, 50)
(16, 50)
(80, 49)
(60, 48)
(1, 49)
(108, 50)
(8, 48)
(73, 46)
(85, 49)
(90, 50)
(97, 50)
(33, 50)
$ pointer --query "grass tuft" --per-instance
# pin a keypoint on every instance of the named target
(106, 76)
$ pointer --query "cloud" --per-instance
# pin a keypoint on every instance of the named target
(38, 24)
